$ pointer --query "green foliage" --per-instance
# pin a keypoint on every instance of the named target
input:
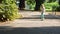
(51, 6)
(31, 4)
(8, 10)
(49, 1)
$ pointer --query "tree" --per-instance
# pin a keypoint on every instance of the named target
(59, 2)
(58, 8)
(22, 4)
(38, 3)
(0, 1)
(49, 1)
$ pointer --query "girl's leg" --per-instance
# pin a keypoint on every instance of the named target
(42, 15)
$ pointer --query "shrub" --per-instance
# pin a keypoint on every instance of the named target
(8, 10)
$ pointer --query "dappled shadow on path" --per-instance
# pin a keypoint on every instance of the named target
(30, 30)
(46, 16)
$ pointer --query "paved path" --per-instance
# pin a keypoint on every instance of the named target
(32, 24)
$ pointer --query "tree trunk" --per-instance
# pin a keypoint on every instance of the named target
(0, 1)
(37, 6)
(59, 2)
(22, 4)
(49, 1)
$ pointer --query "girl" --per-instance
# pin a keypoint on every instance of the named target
(42, 8)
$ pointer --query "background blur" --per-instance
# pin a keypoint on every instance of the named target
(49, 4)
